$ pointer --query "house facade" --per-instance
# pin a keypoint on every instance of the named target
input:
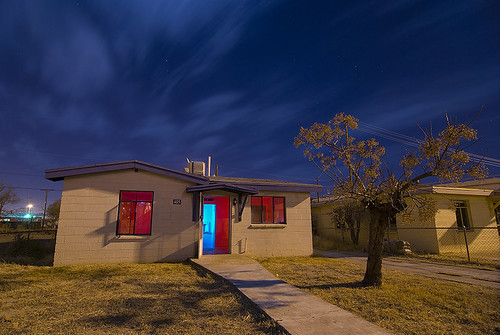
(467, 210)
(330, 233)
(138, 212)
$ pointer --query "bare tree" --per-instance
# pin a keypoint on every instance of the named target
(7, 196)
(357, 171)
(54, 209)
(348, 214)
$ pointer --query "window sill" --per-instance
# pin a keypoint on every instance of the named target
(132, 237)
(267, 226)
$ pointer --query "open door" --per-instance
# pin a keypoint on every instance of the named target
(215, 225)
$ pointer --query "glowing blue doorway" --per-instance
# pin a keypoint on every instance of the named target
(208, 227)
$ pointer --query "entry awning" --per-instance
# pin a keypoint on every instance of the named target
(222, 187)
(242, 192)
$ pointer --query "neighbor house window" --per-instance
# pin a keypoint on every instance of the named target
(135, 213)
(462, 213)
(268, 210)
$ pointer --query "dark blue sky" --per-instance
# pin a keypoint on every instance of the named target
(85, 82)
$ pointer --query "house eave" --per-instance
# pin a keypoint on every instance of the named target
(61, 173)
(204, 183)
(461, 191)
(222, 187)
(304, 188)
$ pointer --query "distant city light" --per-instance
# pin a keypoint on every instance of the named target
(30, 206)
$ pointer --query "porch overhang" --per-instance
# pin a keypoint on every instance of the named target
(222, 187)
(242, 192)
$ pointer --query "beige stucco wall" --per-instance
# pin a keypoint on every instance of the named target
(89, 211)
(481, 241)
(421, 235)
(292, 239)
(329, 236)
(326, 236)
(439, 235)
(446, 238)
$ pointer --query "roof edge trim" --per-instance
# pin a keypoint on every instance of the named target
(61, 173)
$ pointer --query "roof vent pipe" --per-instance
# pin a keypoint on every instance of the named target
(209, 165)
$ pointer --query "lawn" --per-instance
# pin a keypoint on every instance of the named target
(406, 303)
(122, 299)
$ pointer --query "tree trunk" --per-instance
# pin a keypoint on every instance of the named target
(373, 274)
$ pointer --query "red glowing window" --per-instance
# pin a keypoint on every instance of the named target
(268, 210)
(279, 210)
(135, 214)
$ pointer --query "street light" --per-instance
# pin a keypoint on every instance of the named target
(30, 206)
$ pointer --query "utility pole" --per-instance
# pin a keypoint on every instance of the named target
(47, 190)
(317, 183)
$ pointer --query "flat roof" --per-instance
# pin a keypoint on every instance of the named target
(268, 184)
(222, 187)
(492, 182)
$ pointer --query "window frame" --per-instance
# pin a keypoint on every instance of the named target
(134, 202)
(463, 209)
(272, 210)
(496, 212)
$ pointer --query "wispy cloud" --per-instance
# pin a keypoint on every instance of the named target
(77, 64)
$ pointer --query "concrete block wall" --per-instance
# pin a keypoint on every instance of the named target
(89, 212)
(331, 237)
(271, 240)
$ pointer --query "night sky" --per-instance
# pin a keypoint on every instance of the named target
(85, 82)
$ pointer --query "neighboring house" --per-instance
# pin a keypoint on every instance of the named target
(330, 233)
(474, 205)
(139, 212)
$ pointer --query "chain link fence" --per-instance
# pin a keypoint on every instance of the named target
(472, 245)
(27, 246)
(476, 243)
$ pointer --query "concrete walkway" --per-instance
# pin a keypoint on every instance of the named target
(461, 274)
(295, 310)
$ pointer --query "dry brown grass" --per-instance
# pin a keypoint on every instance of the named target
(406, 303)
(122, 299)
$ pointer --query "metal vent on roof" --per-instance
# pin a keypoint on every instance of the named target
(197, 168)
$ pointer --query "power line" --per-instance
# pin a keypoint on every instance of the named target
(20, 174)
(407, 140)
(388, 132)
(36, 189)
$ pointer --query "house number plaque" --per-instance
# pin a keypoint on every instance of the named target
(177, 201)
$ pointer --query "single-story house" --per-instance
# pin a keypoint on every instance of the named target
(470, 207)
(330, 232)
(133, 211)
(473, 205)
